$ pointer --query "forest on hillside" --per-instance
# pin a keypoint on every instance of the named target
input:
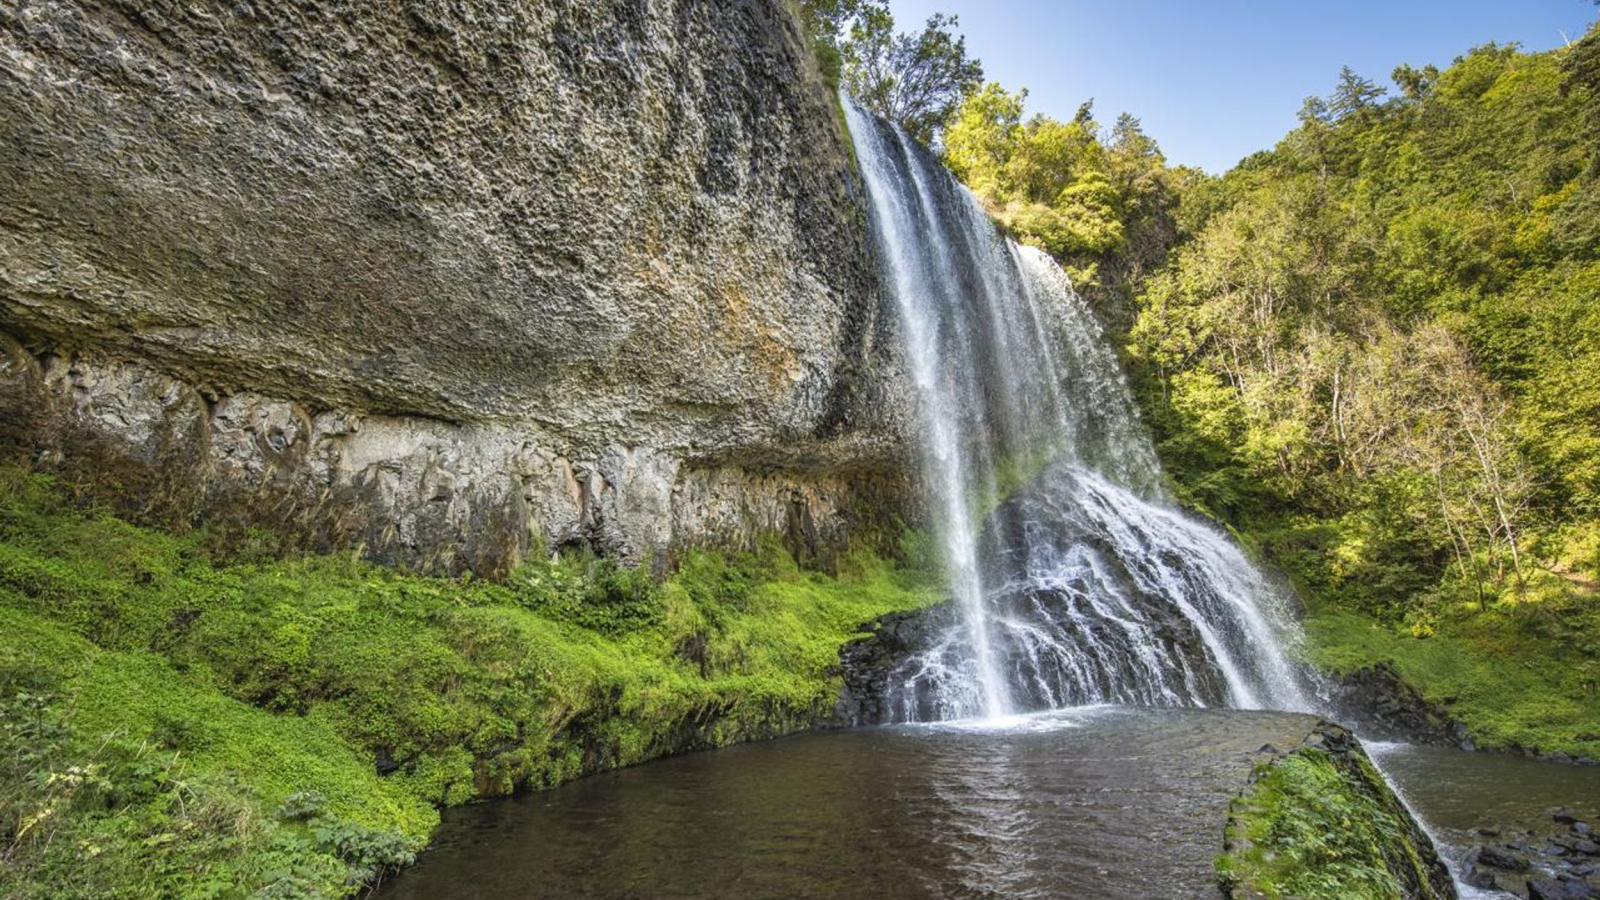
(1372, 351)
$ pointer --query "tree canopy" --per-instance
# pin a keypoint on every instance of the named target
(916, 79)
(1384, 335)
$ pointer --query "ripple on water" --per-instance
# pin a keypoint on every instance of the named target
(1102, 802)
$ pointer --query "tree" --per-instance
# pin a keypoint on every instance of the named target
(824, 22)
(916, 80)
(1354, 95)
(1415, 83)
(981, 138)
(1581, 74)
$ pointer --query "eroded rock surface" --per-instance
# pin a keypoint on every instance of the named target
(445, 277)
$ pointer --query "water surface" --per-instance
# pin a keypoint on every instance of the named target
(1108, 802)
(1455, 793)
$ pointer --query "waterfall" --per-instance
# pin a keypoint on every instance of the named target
(1075, 579)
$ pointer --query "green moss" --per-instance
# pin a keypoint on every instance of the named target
(1319, 827)
(276, 679)
(1519, 674)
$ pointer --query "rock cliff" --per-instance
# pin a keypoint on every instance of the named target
(441, 279)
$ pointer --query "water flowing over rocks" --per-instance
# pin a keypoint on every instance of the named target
(1086, 585)
(443, 279)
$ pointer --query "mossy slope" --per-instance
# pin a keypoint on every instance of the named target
(181, 725)
(1521, 675)
(1320, 823)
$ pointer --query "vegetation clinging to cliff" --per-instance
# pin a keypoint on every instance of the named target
(171, 718)
(914, 79)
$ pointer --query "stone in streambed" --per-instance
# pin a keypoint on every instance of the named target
(1478, 878)
(1502, 857)
(1562, 887)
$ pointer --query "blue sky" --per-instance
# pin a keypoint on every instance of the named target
(1215, 81)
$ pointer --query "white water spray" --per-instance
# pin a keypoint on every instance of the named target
(1086, 585)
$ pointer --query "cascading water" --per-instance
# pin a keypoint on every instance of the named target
(1083, 585)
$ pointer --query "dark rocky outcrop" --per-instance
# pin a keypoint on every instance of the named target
(871, 665)
(1088, 636)
(1379, 702)
(1383, 705)
(1559, 888)
(441, 279)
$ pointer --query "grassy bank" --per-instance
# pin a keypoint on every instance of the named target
(1519, 674)
(177, 724)
(1289, 834)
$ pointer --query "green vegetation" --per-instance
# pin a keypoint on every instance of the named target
(1521, 675)
(1376, 359)
(1102, 205)
(1372, 351)
(1290, 834)
(915, 79)
(1376, 348)
(175, 724)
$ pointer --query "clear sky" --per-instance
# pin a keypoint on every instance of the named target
(1216, 80)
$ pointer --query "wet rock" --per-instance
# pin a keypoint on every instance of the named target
(1586, 847)
(1582, 829)
(1565, 816)
(1061, 645)
(1380, 703)
(1561, 887)
(870, 664)
(1502, 857)
(1478, 878)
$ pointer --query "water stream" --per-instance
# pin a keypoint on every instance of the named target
(1076, 580)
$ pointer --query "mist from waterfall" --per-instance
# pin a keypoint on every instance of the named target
(1075, 580)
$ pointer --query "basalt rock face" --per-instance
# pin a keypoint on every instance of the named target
(441, 278)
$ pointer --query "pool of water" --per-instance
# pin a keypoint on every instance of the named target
(1455, 794)
(1105, 802)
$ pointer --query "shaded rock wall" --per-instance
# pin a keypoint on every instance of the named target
(440, 278)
